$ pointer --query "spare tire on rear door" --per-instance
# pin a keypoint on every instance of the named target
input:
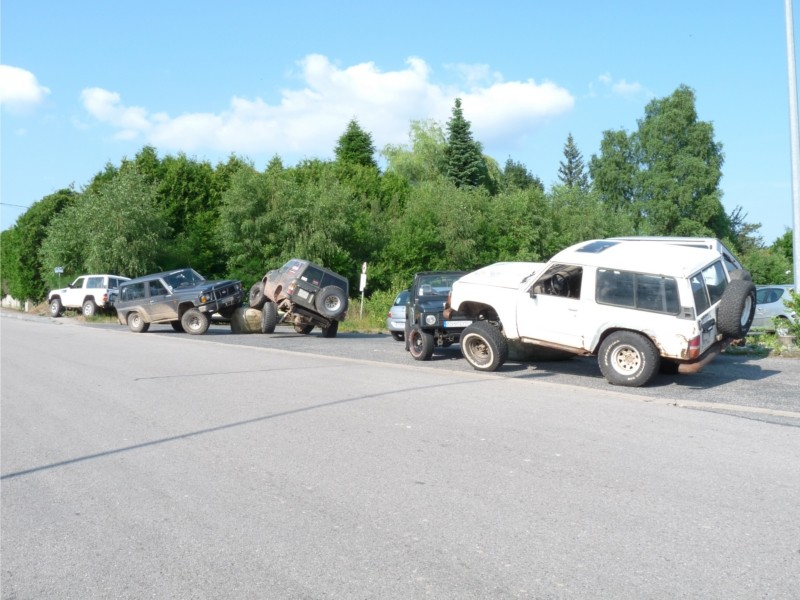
(736, 309)
(331, 302)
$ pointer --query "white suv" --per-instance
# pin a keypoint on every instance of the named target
(639, 308)
(87, 293)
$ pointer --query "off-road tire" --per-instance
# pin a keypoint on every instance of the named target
(398, 336)
(628, 358)
(256, 297)
(136, 323)
(177, 326)
(331, 330)
(303, 328)
(420, 344)
(736, 309)
(269, 317)
(331, 301)
(741, 274)
(484, 346)
(195, 322)
(56, 308)
(89, 308)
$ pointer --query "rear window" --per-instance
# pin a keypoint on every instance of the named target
(641, 291)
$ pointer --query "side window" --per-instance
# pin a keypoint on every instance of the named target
(560, 280)
(638, 290)
(133, 291)
(157, 289)
(78, 283)
(95, 282)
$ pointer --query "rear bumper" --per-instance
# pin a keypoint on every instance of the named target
(715, 350)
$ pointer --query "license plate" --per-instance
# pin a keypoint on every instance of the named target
(303, 294)
(457, 323)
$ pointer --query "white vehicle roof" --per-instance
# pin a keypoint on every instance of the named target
(694, 242)
(504, 274)
(658, 258)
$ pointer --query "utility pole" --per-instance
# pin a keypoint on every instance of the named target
(795, 138)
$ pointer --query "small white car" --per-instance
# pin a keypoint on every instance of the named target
(88, 293)
(638, 307)
(772, 314)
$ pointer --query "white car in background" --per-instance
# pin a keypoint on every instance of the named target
(772, 314)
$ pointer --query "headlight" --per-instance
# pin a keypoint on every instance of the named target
(430, 319)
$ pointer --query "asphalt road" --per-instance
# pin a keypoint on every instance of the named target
(286, 466)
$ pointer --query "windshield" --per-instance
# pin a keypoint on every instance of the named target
(437, 284)
(184, 278)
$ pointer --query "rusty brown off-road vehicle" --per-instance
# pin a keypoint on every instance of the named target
(307, 296)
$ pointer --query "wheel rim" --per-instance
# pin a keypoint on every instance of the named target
(748, 306)
(332, 303)
(135, 320)
(478, 350)
(626, 360)
(194, 322)
(53, 309)
(87, 310)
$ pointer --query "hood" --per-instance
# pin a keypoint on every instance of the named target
(504, 274)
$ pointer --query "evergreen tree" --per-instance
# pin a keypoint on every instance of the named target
(571, 171)
(517, 177)
(355, 147)
(465, 164)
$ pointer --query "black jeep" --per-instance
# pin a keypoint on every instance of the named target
(426, 325)
(307, 294)
(182, 298)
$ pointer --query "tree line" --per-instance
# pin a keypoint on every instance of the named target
(438, 203)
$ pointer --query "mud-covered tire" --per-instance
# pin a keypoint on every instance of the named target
(741, 274)
(56, 308)
(420, 344)
(136, 323)
(484, 346)
(303, 328)
(89, 308)
(736, 310)
(398, 336)
(628, 358)
(269, 317)
(331, 330)
(331, 301)
(177, 326)
(256, 297)
(195, 322)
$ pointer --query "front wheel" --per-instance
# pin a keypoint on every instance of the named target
(194, 322)
(89, 308)
(628, 358)
(136, 323)
(420, 344)
(269, 317)
(484, 346)
(256, 297)
(56, 308)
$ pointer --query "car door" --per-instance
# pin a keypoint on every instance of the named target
(73, 296)
(551, 310)
(160, 305)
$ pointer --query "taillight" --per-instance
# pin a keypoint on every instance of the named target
(105, 298)
(694, 347)
(292, 287)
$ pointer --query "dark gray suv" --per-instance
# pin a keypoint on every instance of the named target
(308, 295)
(182, 298)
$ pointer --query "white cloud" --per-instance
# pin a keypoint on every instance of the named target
(19, 89)
(309, 119)
(621, 87)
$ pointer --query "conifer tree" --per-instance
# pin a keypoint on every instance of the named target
(465, 164)
(571, 171)
(355, 147)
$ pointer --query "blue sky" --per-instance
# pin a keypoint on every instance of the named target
(89, 82)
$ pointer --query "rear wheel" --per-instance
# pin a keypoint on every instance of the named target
(628, 358)
(136, 323)
(256, 297)
(89, 308)
(484, 346)
(194, 322)
(56, 308)
(331, 330)
(269, 317)
(420, 344)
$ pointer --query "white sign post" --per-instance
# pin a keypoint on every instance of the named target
(361, 288)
